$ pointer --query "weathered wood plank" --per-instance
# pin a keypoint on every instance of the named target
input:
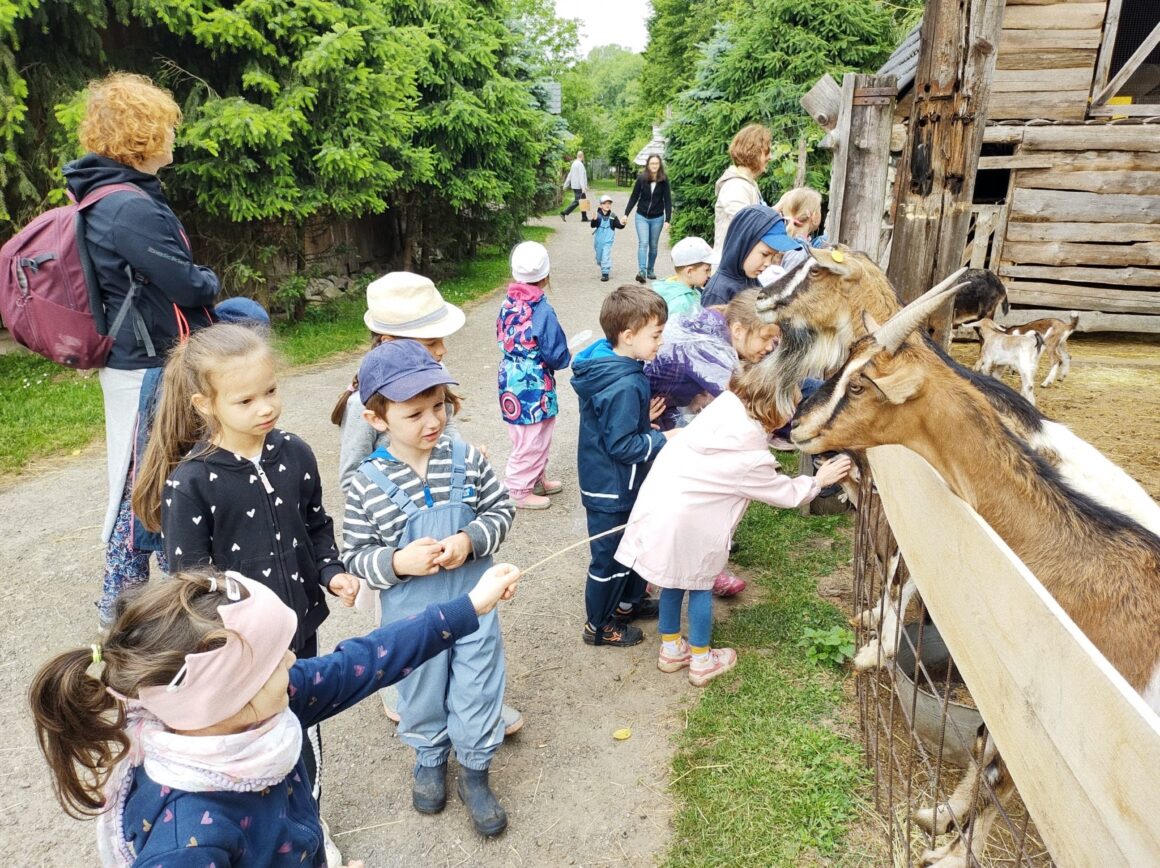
(1004, 134)
(1048, 40)
(1125, 276)
(1093, 137)
(823, 101)
(1052, 205)
(1129, 68)
(1108, 45)
(1081, 232)
(1024, 80)
(1068, 105)
(1011, 3)
(1084, 298)
(1142, 110)
(1047, 58)
(1077, 161)
(1058, 16)
(1040, 684)
(1090, 182)
(1089, 320)
(1141, 253)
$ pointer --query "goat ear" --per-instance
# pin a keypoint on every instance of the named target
(839, 259)
(899, 386)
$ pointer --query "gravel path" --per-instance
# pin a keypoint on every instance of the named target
(574, 795)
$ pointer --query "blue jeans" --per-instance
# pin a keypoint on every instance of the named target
(700, 615)
(648, 238)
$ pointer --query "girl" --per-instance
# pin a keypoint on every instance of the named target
(229, 489)
(399, 305)
(422, 521)
(802, 209)
(134, 240)
(655, 213)
(756, 239)
(679, 534)
(188, 735)
(605, 224)
(534, 348)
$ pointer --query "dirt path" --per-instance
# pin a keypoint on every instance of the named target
(574, 795)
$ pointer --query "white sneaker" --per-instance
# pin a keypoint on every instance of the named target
(333, 856)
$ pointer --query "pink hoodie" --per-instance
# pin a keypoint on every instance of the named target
(697, 492)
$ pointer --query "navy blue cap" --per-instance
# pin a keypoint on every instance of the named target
(400, 370)
(241, 310)
(777, 238)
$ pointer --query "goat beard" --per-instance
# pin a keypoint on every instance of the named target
(801, 353)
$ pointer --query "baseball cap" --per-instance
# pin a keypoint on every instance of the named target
(691, 251)
(400, 370)
(241, 310)
(406, 305)
(606, 198)
(777, 238)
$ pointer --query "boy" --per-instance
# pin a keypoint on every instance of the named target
(422, 521)
(616, 447)
(605, 223)
(693, 260)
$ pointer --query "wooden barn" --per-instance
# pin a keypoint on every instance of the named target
(1067, 198)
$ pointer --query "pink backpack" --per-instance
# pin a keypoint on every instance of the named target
(49, 297)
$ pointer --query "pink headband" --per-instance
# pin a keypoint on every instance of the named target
(215, 685)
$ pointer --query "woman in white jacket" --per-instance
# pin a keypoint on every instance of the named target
(737, 186)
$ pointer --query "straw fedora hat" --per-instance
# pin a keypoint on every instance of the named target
(406, 305)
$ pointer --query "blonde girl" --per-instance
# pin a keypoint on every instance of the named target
(802, 209)
(182, 729)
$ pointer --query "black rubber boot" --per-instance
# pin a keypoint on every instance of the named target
(429, 792)
(487, 814)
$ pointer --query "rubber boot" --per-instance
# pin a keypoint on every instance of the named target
(429, 791)
(487, 814)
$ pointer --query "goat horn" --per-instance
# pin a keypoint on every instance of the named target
(900, 326)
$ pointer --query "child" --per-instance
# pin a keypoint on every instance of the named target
(605, 222)
(802, 209)
(189, 737)
(534, 348)
(422, 521)
(229, 489)
(679, 534)
(692, 259)
(616, 447)
(756, 239)
(399, 305)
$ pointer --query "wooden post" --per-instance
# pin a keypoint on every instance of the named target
(799, 179)
(936, 173)
(861, 161)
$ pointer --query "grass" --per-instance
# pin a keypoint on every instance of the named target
(762, 775)
(47, 410)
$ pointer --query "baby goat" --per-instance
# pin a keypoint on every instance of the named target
(1055, 333)
(1004, 350)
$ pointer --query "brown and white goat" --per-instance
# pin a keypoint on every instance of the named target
(1101, 566)
(1019, 352)
(1055, 333)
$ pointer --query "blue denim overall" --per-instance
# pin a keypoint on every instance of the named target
(602, 237)
(454, 699)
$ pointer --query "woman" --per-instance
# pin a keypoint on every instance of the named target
(654, 214)
(737, 186)
(134, 239)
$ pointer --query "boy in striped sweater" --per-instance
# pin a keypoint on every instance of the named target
(422, 521)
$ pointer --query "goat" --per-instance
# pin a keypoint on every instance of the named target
(1004, 350)
(1055, 333)
(1100, 565)
(981, 298)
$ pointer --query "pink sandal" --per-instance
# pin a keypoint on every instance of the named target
(727, 585)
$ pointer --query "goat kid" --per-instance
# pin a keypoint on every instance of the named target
(1003, 350)
(1055, 333)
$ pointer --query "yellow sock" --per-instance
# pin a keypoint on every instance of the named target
(699, 650)
(670, 637)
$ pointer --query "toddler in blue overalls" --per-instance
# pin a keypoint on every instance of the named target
(422, 521)
(605, 223)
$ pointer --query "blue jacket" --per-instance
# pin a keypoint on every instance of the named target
(280, 826)
(747, 228)
(534, 348)
(124, 231)
(617, 443)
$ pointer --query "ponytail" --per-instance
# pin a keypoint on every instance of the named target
(339, 411)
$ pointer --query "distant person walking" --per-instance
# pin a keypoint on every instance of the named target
(654, 213)
(737, 186)
(577, 182)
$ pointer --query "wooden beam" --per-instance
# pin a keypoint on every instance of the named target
(1107, 45)
(1089, 320)
(1083, 232)
(1052, 205)
(1070, 16)
(1004, 134)
(823, 101)
(1124, 181)
(1047, 58)
(1142, 253)
(1126, 276)
(1051, 105)
(1081, 745)
(1067, 162)
(1129, 68)
(1142, 110)
(1092, 137)
(1079, 298)
(1036, 40)
(1024, 80)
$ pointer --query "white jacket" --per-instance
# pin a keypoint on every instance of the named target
(577, 177)
(736, 189)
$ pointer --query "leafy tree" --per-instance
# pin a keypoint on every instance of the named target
(597, 92)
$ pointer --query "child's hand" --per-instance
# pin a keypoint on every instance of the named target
(498, 583)
(656, 408)
(834, 470)
(345, 587)
(482, 450)
(456, 550)
(671, 433)
(418, 558)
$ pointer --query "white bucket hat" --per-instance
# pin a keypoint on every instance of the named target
(406, 305)
(530, 262)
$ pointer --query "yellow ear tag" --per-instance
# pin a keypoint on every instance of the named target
(838, 256)
(622, 734)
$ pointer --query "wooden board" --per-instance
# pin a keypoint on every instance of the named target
(1126, 276)
(1079, 161)
(1016, 41)
(1069, 16)
(1052, 205)
(1046, 58)
(1089, 320)
(1081, 232)
(1099, 298)
(1125, 181)
(1052, 105)
(1080, 744)
(1011, 3)
(1024, 80)
(1070, 253)
(1093, 137)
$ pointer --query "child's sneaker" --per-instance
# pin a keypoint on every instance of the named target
(645, 609)
(604, 278)
(717, 662)
(677, 661)
(547, 486)
(614, 633)
(727, 585)
(533, 501)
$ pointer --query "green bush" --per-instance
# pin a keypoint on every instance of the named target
(831, 647)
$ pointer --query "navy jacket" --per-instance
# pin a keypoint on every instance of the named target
(747, 228)
(124, 231)
(280, 826)
(653, 203)
(617, 443)
(218, 510)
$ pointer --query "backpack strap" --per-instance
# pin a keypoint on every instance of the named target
(398, 497)
(459, 487)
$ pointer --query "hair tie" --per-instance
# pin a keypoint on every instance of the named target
(96, 649)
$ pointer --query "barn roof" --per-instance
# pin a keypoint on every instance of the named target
(903, 61)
